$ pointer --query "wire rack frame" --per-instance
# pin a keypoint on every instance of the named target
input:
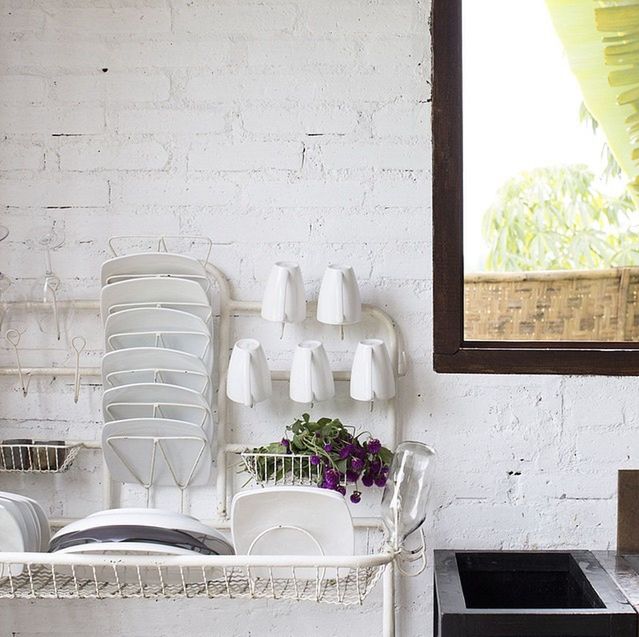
(56, 576)
(278, 469)
(37, 457)
(231, 308)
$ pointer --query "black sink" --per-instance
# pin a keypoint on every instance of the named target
(528, 594)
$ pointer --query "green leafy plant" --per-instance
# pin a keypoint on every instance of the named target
(338, 456)
(557, 218)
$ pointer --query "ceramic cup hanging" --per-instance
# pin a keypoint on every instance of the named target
(372, 375)
(249, 378)
(311, 375)
(284, 299)
(339, 301)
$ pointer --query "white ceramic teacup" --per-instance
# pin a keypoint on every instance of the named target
(372, 376)
(248, 378)
(339, 301)
(311, 375)
(284, 299)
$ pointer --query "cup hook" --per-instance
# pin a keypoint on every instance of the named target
(52, 284)
(79, 344)
(14, 336)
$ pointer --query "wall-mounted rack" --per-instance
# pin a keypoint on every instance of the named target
(96, 576)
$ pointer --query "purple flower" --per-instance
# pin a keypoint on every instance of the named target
(328, 447)
(374, 445)
(341, 489)
(352, 476)
(315, 460)
(285, 442)
(367, 480)
(376, 465)
(331, 478)
(356, 496)
(359, 451)
(357, 464)
(345, 451)
(380, 480)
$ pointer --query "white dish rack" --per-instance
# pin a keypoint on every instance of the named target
(66, 576)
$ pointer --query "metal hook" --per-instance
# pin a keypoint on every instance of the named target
(52, 284)
(14, 336)
(79, 344)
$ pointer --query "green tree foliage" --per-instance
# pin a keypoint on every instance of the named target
(558, 219)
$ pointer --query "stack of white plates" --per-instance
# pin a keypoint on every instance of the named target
(23, 528)
(156, 371)
(150, 531)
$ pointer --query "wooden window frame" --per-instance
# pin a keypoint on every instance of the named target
(453, 354)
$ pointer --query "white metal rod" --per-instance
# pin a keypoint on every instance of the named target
(388, 609)
(52, 371)
(75, 304)
(338, 561)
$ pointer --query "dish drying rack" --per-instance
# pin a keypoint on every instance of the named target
(337, 579)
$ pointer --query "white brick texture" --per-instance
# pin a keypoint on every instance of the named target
(282, 129)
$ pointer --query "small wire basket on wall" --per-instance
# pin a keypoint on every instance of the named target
(280, 469)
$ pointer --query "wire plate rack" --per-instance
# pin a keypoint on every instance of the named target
(275, 469)
(37, 457)
(339, 580)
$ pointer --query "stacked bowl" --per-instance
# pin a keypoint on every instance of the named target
(156, 370)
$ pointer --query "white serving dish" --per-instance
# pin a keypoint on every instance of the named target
(173, 293)
(155, 451)
(291, 521)
(149, 264)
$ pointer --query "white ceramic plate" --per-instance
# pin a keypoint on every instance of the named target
(191, 342)
(153, 319)
(261, 522)
(123, 548)
(35, 518)
(148, 264)
(22, 516)
(177, 294)
(128, 447)
(11, 539)
(157, 400)
(154, 518)
(155, 364)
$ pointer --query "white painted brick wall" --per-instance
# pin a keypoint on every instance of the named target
(294, 129)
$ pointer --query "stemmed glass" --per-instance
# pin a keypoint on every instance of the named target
(5, 281)
(50, 238)
(405, 499)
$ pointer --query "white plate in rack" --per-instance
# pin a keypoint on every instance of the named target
(155, 364)
(153, 319)
(173, 293)
(182, 452)
(148, 264)
(157, 400)
(24, 519)
(11, 539)
(34, 517)
(158, 518)
(291, 521)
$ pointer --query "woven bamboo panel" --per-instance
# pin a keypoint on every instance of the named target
(584, 305)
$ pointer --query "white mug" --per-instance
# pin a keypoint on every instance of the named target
(248, 378)
(284, 299)
(311, 375)
(339, 302)
(372, 376)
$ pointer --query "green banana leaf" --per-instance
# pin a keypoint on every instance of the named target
(601, 39)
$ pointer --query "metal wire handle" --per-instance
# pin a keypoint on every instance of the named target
(14, 336)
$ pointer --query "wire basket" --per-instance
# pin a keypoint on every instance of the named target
(35, 457)
(46, 576)
(279, 469)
